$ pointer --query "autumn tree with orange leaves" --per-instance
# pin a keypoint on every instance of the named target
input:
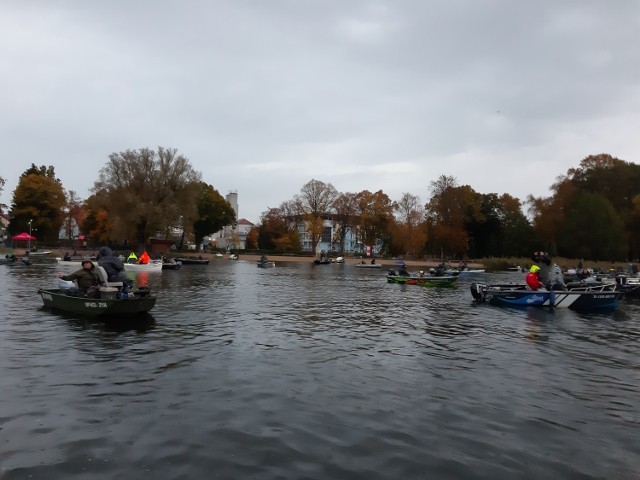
(408, 231)
(374, 214)
(447, 210)
(39, 198)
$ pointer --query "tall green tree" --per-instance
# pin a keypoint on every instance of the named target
(592, 229)
(498, 228)
(213, 212)
(615, 180)
(39, 198)
(516, 231)
(619, 182)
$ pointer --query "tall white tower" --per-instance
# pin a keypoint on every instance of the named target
(232, 198)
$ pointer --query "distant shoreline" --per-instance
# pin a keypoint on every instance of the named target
(384, 262)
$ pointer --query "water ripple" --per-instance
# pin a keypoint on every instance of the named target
(314, 372)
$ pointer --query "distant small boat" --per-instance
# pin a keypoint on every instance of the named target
(466, 272)
(73, 263)
(171, 265)
(13, 260)
(192, 261)
(367, 265)
(266, 263)
(40, 252)
(424, 280)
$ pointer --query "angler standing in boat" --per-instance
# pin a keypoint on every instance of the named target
(543, 261)
(87, 278)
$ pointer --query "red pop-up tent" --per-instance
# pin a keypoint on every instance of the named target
(23, 236)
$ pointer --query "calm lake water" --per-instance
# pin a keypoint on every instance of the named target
(314, 372)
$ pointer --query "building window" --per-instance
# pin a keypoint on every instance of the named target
(326, 235)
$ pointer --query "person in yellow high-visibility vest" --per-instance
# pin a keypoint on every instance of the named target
(132, 258)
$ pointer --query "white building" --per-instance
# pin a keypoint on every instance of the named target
(232, 237)
(329, 241)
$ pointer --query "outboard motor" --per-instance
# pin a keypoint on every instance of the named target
(621, 280)
(477, 291)
(556, 279)
(391, 272)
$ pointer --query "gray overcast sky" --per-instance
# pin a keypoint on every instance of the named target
(262, 96)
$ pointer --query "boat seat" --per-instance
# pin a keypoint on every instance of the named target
(104, 278)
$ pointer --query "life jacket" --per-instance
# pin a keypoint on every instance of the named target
(533, 281)
(144, 258)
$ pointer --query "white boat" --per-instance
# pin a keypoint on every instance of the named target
(72, 263)
(152, 266)
(471, 271)
(266, 264)
(40, 252)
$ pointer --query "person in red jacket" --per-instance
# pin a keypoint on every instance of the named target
(533, 280)
(144, 258)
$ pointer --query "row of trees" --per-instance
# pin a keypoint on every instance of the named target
(139, 194)
(456, 222)
(593, 211)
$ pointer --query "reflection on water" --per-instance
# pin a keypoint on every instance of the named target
(309, 371)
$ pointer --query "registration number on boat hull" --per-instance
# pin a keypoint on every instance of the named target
(95, 304)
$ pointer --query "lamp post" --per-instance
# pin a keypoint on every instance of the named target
(29, 241)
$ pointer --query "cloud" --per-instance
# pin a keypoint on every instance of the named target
(264, 96)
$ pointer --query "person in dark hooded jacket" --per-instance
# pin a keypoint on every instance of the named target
(112, 265)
